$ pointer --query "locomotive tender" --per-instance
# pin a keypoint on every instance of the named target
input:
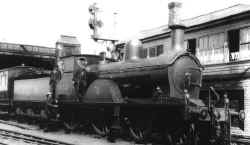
(16, 94)
(142, 98)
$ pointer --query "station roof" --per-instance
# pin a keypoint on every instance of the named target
(26, 50)
(202, 19)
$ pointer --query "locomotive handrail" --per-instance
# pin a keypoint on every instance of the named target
(211, 88)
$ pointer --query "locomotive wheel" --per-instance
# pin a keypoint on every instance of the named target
(70, 124)
(101, 129)
(138, 133)
(30, 112)
(185, 136)
(19, 111)
(169, 139)
(20, 115)
(43, 114)
(191, 135)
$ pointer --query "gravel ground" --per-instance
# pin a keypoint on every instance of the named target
(73, 138)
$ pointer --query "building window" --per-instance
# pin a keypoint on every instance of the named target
(233, 41)
(244, 43)
(159, 50)
(233, 44)
(191, 47)
(211, 48)
(144, 53)
(152, 52)
(216, 41)
(203, 43)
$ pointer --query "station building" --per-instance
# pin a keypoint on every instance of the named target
(12, 54)
(221, 41)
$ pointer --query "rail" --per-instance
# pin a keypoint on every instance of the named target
(8, 134)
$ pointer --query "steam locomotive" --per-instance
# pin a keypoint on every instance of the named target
(140, 98)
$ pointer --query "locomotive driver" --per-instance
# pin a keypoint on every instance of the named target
(80, 79)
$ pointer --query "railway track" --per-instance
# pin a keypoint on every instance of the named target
(18, 125)
(27, 138)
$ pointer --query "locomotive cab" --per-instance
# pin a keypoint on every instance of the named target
(70, 66)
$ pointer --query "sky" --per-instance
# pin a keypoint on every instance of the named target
(41, 22)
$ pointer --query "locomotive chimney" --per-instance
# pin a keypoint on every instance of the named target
(132, 49)
(177, 28)
(103, 57)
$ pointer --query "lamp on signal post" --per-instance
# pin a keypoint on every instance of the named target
(94, 23)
